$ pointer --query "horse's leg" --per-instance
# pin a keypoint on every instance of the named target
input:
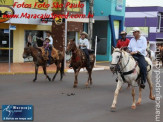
(140, 96)
(61, 69)
(149, 80)
(45, 73)
(76, 77)
(89, 77)
(134, 101)
(61, 72)
(119, 85)
(128, 87)
(56, 72)
(36, 72)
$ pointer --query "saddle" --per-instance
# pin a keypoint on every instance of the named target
(45, 54)
(84, 57)
(90, 51)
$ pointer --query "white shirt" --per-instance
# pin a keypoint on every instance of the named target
(138, 45)
(51, 40)
(84, 42)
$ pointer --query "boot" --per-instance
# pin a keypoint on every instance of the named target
(142, 85)
(70, 66)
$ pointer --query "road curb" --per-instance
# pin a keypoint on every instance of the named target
(41, 72)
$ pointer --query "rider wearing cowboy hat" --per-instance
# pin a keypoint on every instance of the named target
(137, 47)
(84, 45)
(123, 42)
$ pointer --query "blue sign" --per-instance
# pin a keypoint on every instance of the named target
(119, 5)
(6, 30)
(17, 112)
(12, 27)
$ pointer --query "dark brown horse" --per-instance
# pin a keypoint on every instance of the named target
(78, 61)
(38, 60)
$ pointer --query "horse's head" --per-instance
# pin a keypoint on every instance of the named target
(116, 59)
(71, 46)
(27, 51)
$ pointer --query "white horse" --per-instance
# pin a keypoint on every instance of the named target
(128, 71)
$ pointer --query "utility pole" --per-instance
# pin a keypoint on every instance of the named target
(90, 25)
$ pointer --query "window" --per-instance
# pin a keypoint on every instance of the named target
(144, 31)
(33, 36)
(161, 28)
(159, 22)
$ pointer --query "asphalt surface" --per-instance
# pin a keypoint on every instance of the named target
(58, 101)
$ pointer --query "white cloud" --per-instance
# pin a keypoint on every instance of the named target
(144, 3)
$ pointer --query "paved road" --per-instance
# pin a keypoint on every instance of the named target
(52, 104)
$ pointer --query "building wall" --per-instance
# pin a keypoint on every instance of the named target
(102, 10)
(116, 12)
(145, 17)
(19, 38)
(58, 31)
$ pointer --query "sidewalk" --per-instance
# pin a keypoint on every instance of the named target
(29, 68)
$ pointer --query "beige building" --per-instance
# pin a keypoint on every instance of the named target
(25, 29)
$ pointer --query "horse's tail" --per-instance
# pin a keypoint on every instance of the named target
(62, 66)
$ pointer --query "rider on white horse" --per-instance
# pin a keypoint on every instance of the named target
(137, 48)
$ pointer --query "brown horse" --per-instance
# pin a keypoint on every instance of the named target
(78, 61)
(39, 61)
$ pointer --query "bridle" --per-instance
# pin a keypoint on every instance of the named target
(117, 66)
(71, 49)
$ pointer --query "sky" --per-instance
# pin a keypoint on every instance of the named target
(144, 3)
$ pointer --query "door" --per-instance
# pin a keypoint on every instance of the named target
(4, 45)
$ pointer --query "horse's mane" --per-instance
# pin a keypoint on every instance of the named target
(123, 51)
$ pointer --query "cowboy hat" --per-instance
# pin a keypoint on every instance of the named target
(47, 39)
(84, 33)
(135, 29)
(123, 33)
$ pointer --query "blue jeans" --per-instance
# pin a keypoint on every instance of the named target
(49, 61)
(87, 55)
(142, 65)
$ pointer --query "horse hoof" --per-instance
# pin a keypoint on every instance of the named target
(152, 98)
(133, 107)
(113, 109)
(86, 85)
(34, 80)
(138, 103)
(49, 79)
